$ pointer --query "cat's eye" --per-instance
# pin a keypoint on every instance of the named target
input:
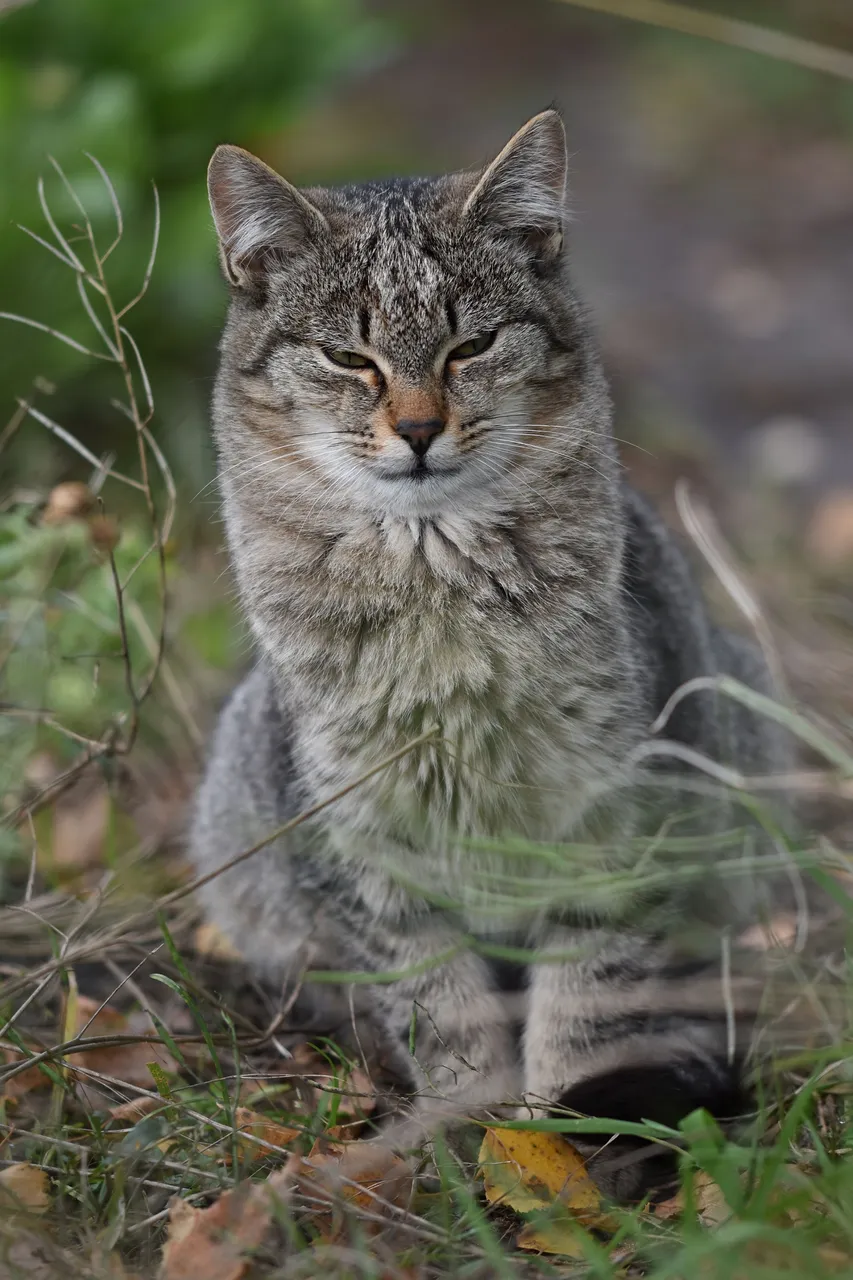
(349, 359)
(473, 347)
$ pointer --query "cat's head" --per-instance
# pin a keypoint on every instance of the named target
(408, 346)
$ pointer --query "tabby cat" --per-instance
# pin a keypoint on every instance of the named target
(430, 533)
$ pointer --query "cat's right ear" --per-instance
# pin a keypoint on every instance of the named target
(260, 219)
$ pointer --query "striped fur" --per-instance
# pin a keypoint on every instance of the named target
(513, 595)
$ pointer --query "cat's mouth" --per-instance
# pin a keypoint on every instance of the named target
(420, 471)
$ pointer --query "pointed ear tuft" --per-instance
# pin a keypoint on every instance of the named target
(260, 218)
(524, 188)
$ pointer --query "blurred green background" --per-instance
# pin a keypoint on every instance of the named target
(712, 187)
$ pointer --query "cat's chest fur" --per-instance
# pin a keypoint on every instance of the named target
(397, 628)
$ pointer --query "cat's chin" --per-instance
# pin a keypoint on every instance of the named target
(417, 494)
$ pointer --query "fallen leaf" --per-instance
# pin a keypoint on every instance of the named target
(135, 1109)
(216, 1243)
(272, 1135)
(529, 1170)
(25, 1081)
(24, 1186)
(666, 1210)
(560, 1234)
(351, 1179)
(127, 1062)
(210, 942)
(532, 1172)
(711, 1206)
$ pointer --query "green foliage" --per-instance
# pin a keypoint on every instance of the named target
(62, 654)
(150, 90)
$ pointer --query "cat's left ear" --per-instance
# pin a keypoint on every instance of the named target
(524, 188)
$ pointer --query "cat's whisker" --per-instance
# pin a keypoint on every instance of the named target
(551, 428)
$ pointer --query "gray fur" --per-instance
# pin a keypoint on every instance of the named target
(516, 596)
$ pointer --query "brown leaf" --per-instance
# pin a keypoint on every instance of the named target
(127, 1062)
(135, 1109)
(23, 1186)
(25, 1081)
(272, 1135)
(710, 1202)
(216, 1243)
(352, 1179)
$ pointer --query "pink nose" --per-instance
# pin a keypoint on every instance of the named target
(419, 435)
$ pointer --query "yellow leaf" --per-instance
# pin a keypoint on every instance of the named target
(24, 1186)
(528, 1170)
(560, 1234)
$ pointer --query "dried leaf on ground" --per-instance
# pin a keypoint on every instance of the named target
(216, 1243)
(361, 1176)
(271, 1134)
(135, 1109)
(23, 1186)
(560, 1234)
(211, 942)
(528, 1170)
(127, 1062)
(25, 1081)
(532, 1172)
(710, 1202)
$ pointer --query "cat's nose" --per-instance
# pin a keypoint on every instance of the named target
(419, 435)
